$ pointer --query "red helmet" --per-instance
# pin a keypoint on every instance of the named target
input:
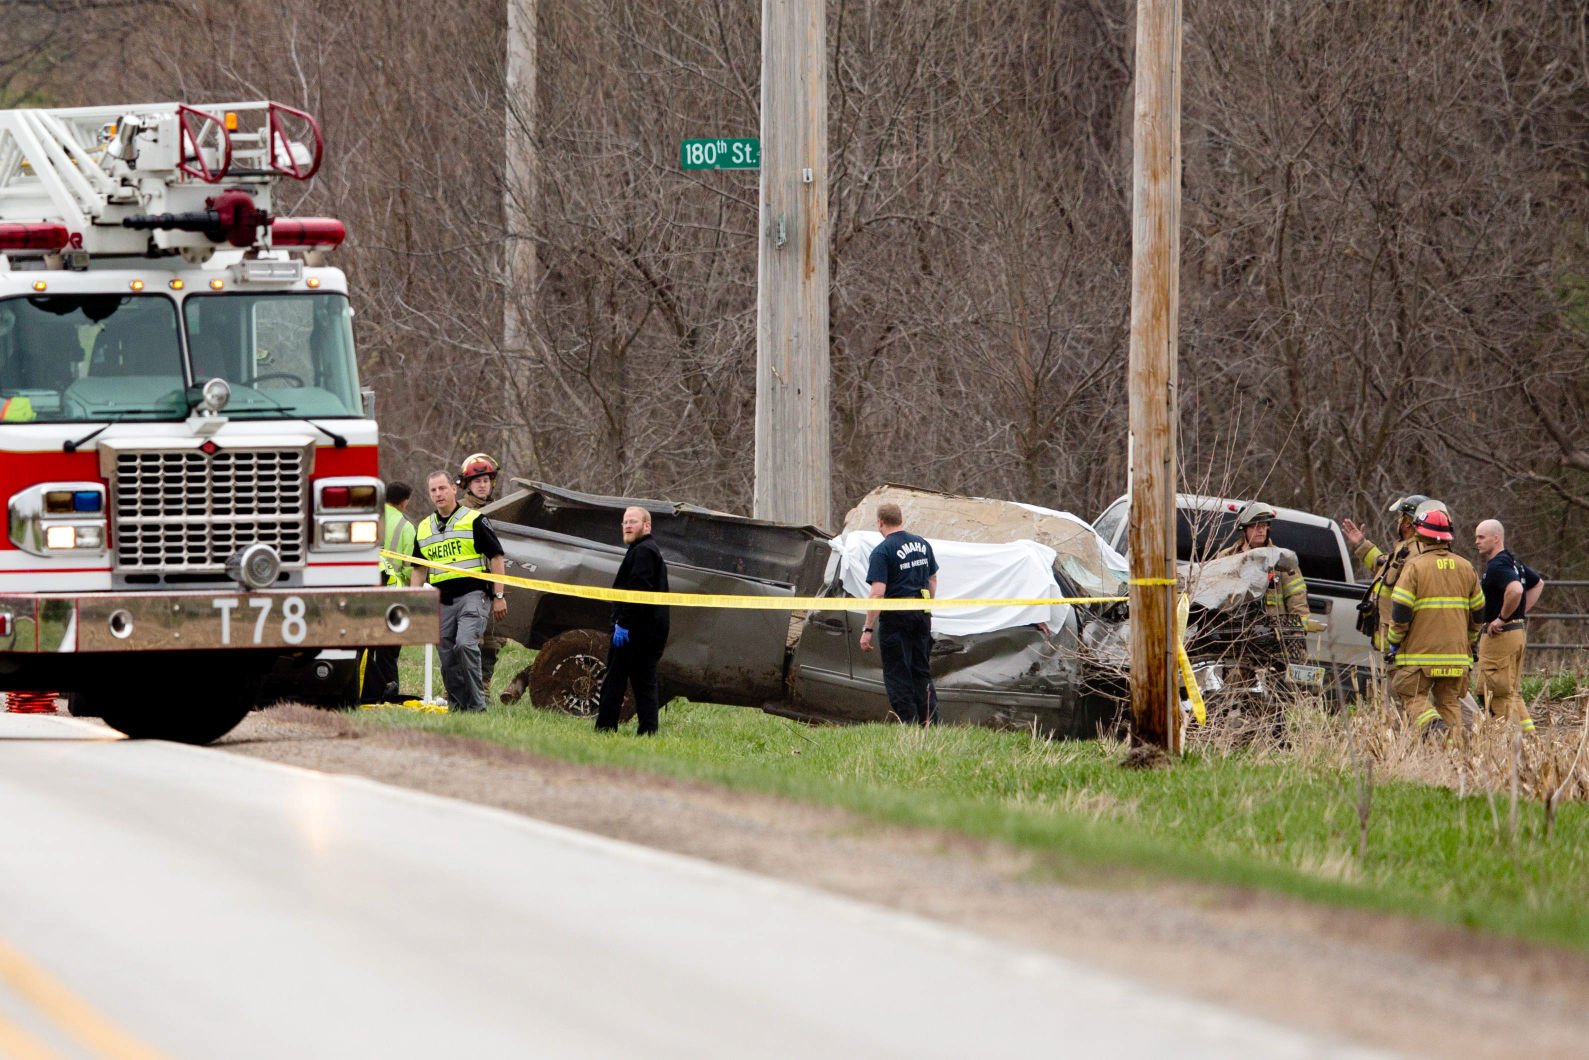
(1433, 522)
(475, 466)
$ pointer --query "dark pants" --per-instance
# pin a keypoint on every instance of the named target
(490, 648)
(380, 674)
(463, 623)
(635, 665)
(905, 641)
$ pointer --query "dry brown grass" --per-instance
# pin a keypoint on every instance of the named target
(1549, 766)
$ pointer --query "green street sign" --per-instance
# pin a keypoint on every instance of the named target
(720, 154)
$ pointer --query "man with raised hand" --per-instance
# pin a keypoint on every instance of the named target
(1384, 568)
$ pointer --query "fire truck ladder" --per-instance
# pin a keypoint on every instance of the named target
(97, 179)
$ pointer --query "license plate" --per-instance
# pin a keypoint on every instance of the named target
(1303, 674)
(310, 618)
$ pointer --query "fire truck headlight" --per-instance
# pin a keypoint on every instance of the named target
(74, 537)
(364, 532)
(55, 517)
(334, 533)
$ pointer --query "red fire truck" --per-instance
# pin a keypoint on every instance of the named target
(186, 457)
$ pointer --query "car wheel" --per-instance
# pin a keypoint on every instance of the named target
(82, 704)
(200, 720)
(209, 703)
(568, 672)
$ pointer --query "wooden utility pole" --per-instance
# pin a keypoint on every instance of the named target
(1155, 278)
(519, 175)
(792, 379)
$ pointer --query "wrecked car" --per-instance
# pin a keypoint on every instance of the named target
(1008, 667)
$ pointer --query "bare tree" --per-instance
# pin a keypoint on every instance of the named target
(1384, 276)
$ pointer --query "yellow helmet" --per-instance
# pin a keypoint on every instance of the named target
(476, 465)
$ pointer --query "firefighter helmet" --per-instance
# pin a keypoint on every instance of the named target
(476, 465)
(1433, 521)
(1255, 512)
(1407, 506)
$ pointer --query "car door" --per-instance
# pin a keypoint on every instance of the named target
(832, 678)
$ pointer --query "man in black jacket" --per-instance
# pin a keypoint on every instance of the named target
(639, 631)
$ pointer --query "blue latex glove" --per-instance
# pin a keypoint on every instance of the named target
(620, 636)
(1390, 657)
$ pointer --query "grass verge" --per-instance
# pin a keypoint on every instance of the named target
(1288, 821)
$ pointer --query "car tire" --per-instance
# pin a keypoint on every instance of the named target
(82, 704)
(567, 674)
(214, 697)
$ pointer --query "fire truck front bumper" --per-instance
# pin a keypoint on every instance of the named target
(283, 619)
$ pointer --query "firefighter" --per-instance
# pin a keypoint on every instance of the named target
(1384, 568)
(477, 478)
(1287, 593)
(1437, 609)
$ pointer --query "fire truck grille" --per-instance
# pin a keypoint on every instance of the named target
(183, 510)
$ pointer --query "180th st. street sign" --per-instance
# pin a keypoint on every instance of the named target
(720, 154)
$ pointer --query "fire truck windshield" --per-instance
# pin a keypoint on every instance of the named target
(82, 357)
(75, 358)
(284, 354)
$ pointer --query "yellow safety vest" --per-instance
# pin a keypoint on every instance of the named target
(400, 539)
(452, 543)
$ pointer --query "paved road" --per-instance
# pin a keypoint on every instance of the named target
(203, 904)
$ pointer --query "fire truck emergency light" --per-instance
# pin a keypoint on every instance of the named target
(33, 237)
(307, 232)
(65, 502)
(348, 497)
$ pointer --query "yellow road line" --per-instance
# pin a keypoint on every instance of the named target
(755, 603)
(67, 1011)
(18, 1044)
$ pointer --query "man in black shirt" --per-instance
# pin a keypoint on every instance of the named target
(903, 566)
(461, 538)
(639, 631)
(1510, 590)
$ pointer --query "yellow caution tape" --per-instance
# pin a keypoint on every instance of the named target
(1183, 608)
(812, 603)
(754, 603)
(408, 704)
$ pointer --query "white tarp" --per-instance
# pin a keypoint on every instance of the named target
(1084, 557)
(1075, 561)
(1016, 570)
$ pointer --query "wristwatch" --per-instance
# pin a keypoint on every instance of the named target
(866, 629)
(497, 595)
